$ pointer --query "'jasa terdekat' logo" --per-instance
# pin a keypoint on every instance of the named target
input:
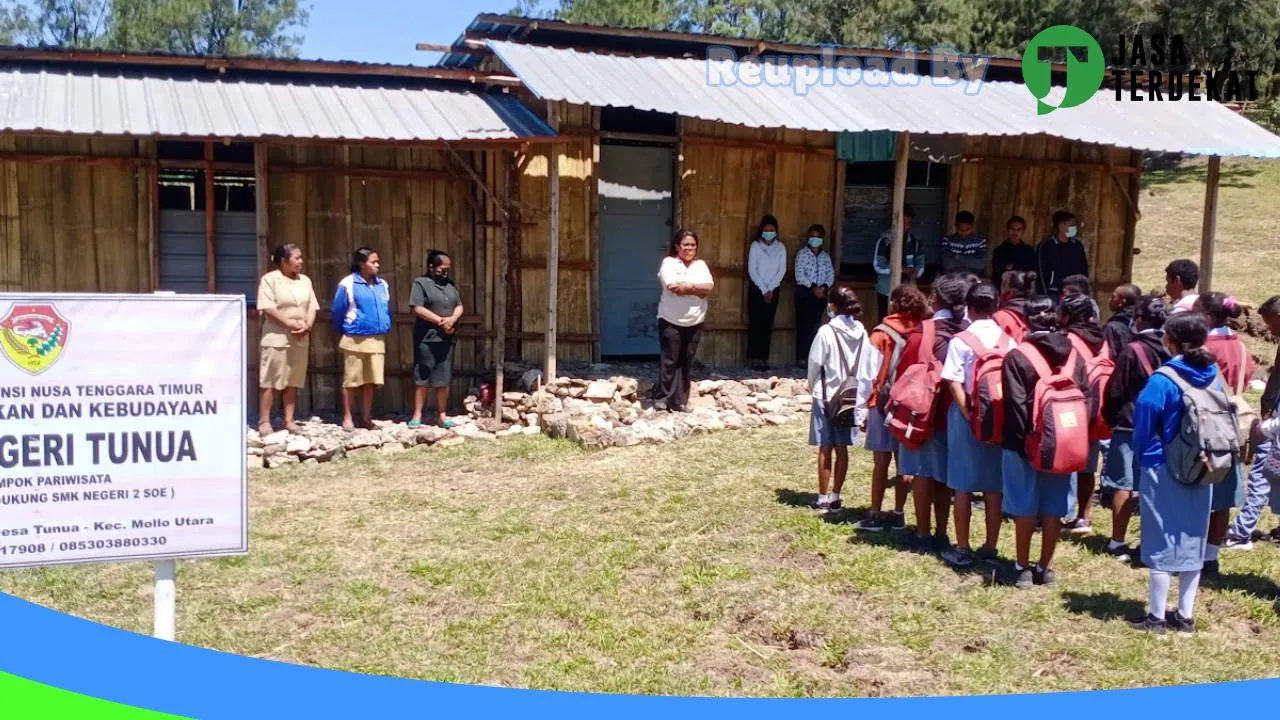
(1154, 69)
(34, 336)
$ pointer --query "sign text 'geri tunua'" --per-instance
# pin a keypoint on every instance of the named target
(121, 428)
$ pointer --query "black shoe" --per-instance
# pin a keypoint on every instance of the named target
(1022, 579)
(1153, 625)
(1211, 571)
(986, 555)
(1183, 626)
(941, 543)
(917, 544)
(872, 524)
(836, 504)
(660, 405)
(1122, 553)
(958, 557)
(1044, 577)
(897, 520)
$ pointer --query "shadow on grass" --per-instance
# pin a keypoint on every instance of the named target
(1096, 544)
(1263, 588)
(1102, 606)
(1231, 176)
(795, 498)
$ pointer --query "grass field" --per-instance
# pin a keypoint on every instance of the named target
(691, 568)
(688, 569)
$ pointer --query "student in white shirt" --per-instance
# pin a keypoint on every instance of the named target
(840, 349)
(815, 275)
(1180, 280)
(766, 265)
(686, 283)
(973, 466)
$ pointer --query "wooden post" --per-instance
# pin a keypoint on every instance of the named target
(1210, 226)
(553, 252)
(210, 226)
(261, 204)
(836, 247)
(500, 295)
(900, 154)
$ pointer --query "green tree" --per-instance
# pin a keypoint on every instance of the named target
(207, 27)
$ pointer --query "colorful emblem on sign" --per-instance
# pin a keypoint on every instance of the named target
(33, 336)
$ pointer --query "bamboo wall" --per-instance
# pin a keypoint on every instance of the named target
(1037, 176)
(724, 190)
(577, 329)
(74, 226)
(428, 204)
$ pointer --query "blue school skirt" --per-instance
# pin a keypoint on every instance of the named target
(972, 466)
(1031, 493)
(879, 439)
(1230, 492)
(1175, 521)
(823, 432)
(1119, 465)
(929, 461)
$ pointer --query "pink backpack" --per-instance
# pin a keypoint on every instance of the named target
(1058, 441)
(986, 403)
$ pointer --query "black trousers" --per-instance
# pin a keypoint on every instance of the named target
(809, 311)
(679, 346)
(760, 316)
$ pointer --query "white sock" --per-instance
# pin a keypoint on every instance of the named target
(1112, 545)
(835, 497)
(1159, 600)
(1188, 583)
(1211, 552)
(823, 497)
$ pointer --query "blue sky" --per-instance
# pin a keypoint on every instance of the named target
(387, 30)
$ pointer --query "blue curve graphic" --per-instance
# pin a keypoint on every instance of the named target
(84, 657)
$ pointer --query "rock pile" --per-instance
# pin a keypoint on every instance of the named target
(595, 406)
(318, 441)
(614, 411)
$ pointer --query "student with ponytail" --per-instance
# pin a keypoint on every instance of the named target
(1032, 495)
(1236, 364)
(973, 464)
(1135, 365)
(1175, 516)
(926, 467)
(1078, 318)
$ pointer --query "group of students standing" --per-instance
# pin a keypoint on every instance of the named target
(361, 316)
(1020, 398)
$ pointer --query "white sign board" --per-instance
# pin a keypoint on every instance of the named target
(122, 423)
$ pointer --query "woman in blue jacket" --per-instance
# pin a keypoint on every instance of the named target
(362, 317)
(1175, 517)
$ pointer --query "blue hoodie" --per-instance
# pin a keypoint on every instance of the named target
(360, 309)
(1158, 410)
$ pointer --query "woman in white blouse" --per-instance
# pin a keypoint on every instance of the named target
(767, 266)
(815, 274)
(686, 283)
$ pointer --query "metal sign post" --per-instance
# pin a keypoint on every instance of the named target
(166, 615)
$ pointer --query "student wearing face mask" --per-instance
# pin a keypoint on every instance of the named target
(767, 266)
(436, 306)
(815, 274)
(1061, 255)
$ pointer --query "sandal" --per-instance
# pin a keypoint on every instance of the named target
(414, 423)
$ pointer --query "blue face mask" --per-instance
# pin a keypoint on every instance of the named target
(815, 242)
(830, 314)
(768, 235)
(1072, 231)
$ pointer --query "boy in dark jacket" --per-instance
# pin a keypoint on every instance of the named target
(1014, 253)
(1061, 255)
(1137, 360)
(1119, 329)
(1031, 495)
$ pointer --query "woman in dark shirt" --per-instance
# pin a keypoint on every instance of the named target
(436, 306)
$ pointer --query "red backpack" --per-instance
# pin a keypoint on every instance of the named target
(986, 402)
(1012, 323)
(1099, 368)
(913, 399)
(1058, 438)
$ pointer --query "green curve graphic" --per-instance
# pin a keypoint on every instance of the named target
(22, 699)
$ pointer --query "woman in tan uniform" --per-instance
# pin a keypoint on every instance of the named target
(287, 308)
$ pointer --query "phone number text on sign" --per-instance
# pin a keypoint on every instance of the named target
(121, 428)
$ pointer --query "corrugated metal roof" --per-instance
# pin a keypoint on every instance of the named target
(91, 103)
(904, 103)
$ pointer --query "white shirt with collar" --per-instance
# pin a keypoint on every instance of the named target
(767, 264)
(958, 367)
